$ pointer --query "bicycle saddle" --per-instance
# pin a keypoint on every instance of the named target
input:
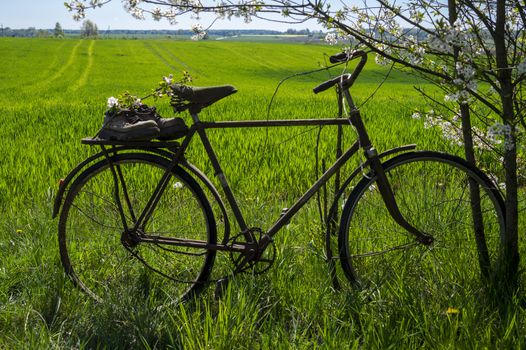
(196, 98)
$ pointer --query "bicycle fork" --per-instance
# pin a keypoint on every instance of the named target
(389, 199)
(381, 179)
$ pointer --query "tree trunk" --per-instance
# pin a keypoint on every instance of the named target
(510, 257)
(469, 153)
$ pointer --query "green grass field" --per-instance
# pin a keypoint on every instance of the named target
(53, 93)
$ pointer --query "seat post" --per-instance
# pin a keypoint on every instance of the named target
(221, 176)
(195, 117)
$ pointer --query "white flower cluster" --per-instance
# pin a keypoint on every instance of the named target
(502, 131)
(458, 35)
(248, 9)
(132, 7)
(415, 14)
(415, 51)
(157, 14)
(331, 38)
(171, 15)
(495, 179)
(78, 7)
(198, 30)
(137, 13)
(113, 102)
(169, 79)
(463, 84)
(461, 96)
(451, 130)
(381, 60)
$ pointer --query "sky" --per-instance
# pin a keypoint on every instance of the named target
(44, 14)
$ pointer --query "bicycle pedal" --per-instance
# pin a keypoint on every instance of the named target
(221, 286)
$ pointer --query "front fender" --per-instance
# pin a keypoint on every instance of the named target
(331, 224)
(359, 169)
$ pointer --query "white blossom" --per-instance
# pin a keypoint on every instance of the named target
(331, 38)
(157, 14)
(113, 102)
(199, 32)
(78, 16)
(169, 79)
(171, 16)
(137, 13)
(381, 60)
(464, 70)
(197, 27)
(504, 131)
(416, 15)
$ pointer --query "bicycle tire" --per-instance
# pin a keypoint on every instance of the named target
(432, 192)
(90, 232)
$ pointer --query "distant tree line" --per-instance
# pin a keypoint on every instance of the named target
(89, 29)
(28, 32)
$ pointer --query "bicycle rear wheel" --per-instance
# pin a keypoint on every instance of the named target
(105, 262)
(433, 194)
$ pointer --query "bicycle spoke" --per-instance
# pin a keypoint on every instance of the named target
(108, 262)
(433, 195)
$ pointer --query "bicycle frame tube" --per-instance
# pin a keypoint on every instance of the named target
(161, 186)
(313, 189)
(362, 142)
(201, 126)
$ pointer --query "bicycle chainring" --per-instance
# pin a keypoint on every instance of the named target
(262, 260)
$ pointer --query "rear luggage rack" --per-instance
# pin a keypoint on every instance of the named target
(139, 144)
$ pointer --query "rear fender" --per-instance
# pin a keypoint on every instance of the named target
(64, 183)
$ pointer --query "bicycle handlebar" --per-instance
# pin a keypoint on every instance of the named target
(331, 82)
(346, 80)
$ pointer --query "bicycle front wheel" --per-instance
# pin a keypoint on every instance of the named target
(106, 261)
(433, 193)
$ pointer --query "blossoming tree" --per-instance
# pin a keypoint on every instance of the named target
(473, 50)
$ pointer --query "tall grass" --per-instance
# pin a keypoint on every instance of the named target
(53, 93)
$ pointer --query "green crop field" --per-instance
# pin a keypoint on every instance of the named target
(54, 92)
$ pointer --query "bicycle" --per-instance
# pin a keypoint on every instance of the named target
(136, 214)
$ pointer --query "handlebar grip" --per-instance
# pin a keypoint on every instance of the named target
(345, 56)
(339, 57)
(330, 83)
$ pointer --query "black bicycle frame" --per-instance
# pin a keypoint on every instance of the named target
(199, 127)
